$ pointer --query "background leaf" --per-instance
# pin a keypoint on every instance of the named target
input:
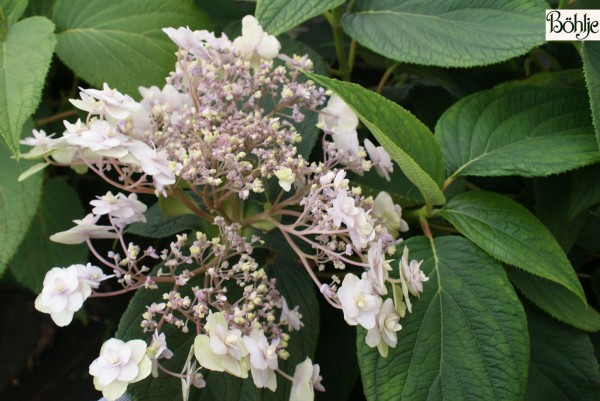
(511, 234)
(465, 339)
(452, 33)
(12, 10)
(18, 204)
(121, 42)
(336, 355)
(591, 69)
(406, 139)
(553, 198)
(159, 225)
(562, 366)
(278, 16)
(59, 206)
(555, 300)
(534, 128)
(24, 60)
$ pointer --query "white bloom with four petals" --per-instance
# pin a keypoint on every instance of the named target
(222, 350)
(359, 302)
(119, 364)
(62, 294)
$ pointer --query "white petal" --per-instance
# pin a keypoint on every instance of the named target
(63, 318)
(114, 390)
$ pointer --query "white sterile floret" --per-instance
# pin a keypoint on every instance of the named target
(255, 44)
(263, 359)
(362, 232)
(380, 159)
(62, 294)
(389, 213)
(124, 210)
(91, 275)
(343, 209)
(222, 350)
(85, 229)
(153, 163)
(119, 364)
(411, 278)
(378, 267)
(107, 101)
(337, 116)
(383, 335)
(306, 380)
(156, 100)
(100, 138)
(412, 273)
(359, 302)
(346, 141)
(157, 350)
(201, 44)
(286, 178)
(291, 317)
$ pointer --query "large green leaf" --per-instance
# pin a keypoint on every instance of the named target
(59, 206)
(511, 234)
(562, 366)
(11, 11)
(555, 300)
(24, 60)
(278, 16)
(293, 283)
(18, 204)
(450, 33)
(465, 339)
(536, 128)
(121, 41)
(591, 69)
(406, 139)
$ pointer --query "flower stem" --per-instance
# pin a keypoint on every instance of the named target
(59, 116)
(338, 39)
(385, 77)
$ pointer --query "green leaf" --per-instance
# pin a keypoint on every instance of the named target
(510, 233)
(24, 59)
(465, 339)
(553, 197)
(40, 7)
(59, 206)
(536, 128)
(278, 16)
(584, 191)
(405, 138)
(18, 204)
(121, 42)
(12, 10)
(555, 300)
(293, 283)
(452, 33)
(159, 225)
(336, 356)
(591, 69)
(562, 366)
